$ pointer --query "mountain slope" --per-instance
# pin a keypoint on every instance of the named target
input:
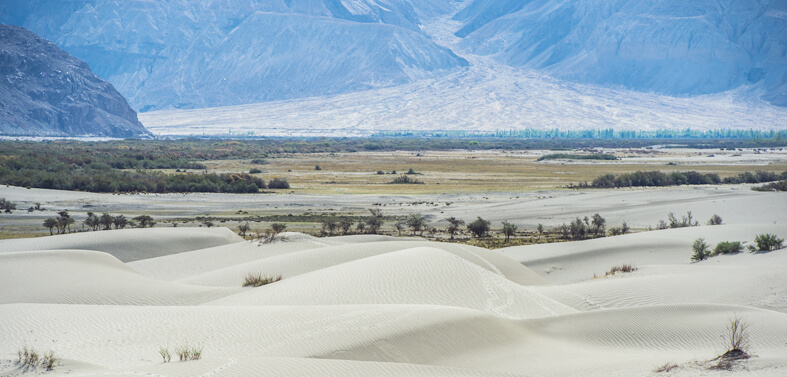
(44, 91)
(670, 47)
(184, 54)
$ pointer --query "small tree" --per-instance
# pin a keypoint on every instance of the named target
(715, 220)
(453, 225)
(701, 250)
(120, 222)
(278, 228)
(540, 229)
(106, 221)
(208, 223)
(508, 229)
(598, 225)
(329, 225)
(144, 221)
(317, 167)
(92, 221)
(375, 220)
(479, 227)
(726, 247)
(50, 224)
(242, 229)
(399, 227)
(345, 224)
(416, 222)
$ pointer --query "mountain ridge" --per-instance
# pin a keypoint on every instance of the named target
(44, 91)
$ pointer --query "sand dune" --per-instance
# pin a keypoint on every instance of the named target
(270, 261)
(88, 277)
(361, 306)
(573, 261)
(129, 244)
(426, 276)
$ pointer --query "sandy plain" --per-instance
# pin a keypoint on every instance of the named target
(107, 302)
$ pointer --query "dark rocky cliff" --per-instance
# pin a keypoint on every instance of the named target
(44, 91)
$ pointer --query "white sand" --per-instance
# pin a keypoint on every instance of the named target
(377, 306)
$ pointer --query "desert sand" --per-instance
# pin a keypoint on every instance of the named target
(106, 302)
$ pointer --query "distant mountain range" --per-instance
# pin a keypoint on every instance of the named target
(44, 91)
(180, 54)
(167, 54)
(673, 47)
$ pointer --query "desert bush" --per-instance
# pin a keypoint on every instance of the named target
(665, 368)
(188, 353)
(701, 250)
(624, 268)
(736, 337)
(7, 206)
(258, 280)
(775, 186)
(404, 179)
(317, 167)
(766, 242)
(380, 172)
(49, 360)
(715, 220)
(30, 358)
(166, 356)
(254, 171)
(278, 183)
(727, 247)
(479, 227)
(685, 221)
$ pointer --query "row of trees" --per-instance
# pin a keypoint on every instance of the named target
(63, 222)
(657, 178)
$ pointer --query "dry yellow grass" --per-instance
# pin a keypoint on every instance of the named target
(457, 172)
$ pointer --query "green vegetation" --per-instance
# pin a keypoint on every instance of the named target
(479, 227)
(660, 179)
(404, 179)
(7, 206)
(508, 230)
(766, 242)
(416, 222)
(701, 250)
(567, 156)
(581, 229)
(775, 186)
(187, 353)
(727, 247)
(715, 220)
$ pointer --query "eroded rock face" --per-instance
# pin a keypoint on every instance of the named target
(44, 91)
(672, 47)
(169, 54)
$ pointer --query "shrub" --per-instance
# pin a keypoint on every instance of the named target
(665, 368)
(278, 183)
(766, 242)
(404, 179)
(7, 206)
(701, 250)
(380, 172)
(165, 354)
(255, 171)
(737, 336)
(775, 186)
(727, 248)
(317, 167)
(624, 268)
(479, 227)
(715, 220)
(30, 358)
(278, 227)
(49, 360)
(187, 353)
(509, 230)
(258, 280)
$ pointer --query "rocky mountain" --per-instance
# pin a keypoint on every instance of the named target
(44, 91)
(672, 47)
(192, 54)
(182, 54)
